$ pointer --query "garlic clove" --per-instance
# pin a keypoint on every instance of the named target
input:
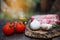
(35, 24)
(46, 26)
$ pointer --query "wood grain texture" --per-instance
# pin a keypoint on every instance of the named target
(41, 33)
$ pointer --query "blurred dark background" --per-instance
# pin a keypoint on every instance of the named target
(48, 6)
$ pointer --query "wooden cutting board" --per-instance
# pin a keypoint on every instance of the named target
(42, 34)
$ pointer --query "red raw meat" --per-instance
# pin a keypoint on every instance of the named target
(49, 18)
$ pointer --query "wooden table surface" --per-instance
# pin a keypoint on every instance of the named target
(21, 37)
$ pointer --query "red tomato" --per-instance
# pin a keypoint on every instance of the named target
(20, 27)
(8, 29)
(10, 23)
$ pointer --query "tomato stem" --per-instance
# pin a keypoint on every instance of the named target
(11, 24)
